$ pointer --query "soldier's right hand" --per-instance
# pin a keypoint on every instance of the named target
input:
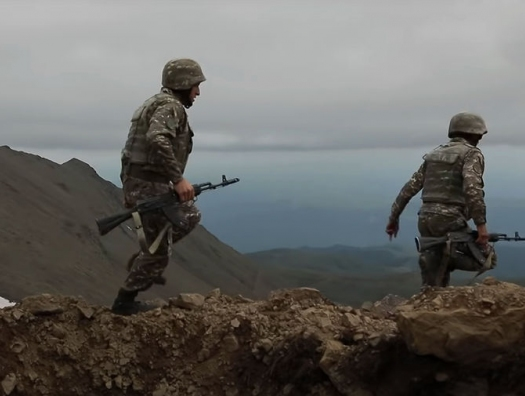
(483, 235)
(392, 228)
(184, 190)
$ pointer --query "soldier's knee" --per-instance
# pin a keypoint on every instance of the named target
(131, 261)
(494, 260)
(194, 214)
(193, 217)
(194, 220)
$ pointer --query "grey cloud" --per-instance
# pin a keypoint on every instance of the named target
(295, 76)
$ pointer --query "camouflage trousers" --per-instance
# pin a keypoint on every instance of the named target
(144, 268)
(434, 270)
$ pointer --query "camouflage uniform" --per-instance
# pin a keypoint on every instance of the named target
(451, 178)
(155, 155)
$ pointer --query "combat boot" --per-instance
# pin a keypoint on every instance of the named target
(125, 304)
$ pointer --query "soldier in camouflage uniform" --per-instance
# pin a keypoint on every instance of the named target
(451, 178)
(154, 158)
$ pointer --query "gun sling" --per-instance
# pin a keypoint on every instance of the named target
(142, 237)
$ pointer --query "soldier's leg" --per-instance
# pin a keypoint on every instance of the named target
(445, 279)
(191, 217)
(472, 257)
(142, 266)
(187, 218)
(146, 268)
(430, 260)
(160, 280)
(430, 266)
(440, 225)
(132, 260)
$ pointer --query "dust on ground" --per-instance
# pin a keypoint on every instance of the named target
(455, 341)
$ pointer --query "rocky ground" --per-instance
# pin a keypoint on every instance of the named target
(457, 341)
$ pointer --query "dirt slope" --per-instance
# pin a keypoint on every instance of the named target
(50, 244)
(294, 343)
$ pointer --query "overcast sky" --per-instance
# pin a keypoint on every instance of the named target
(345, 85)
(304, 75)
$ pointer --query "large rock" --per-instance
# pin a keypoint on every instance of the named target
(464, 324)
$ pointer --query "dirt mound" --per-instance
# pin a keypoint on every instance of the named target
(294, 343)
(466, 325)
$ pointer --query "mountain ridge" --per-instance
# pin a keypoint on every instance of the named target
(50, 242)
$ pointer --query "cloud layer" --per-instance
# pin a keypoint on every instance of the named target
(281, 75)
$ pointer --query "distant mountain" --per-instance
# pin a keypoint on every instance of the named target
(252, 224)
(255, 226)
(340, 259)
(345, 274)
(49, 241)
(349, 288)
(353, 274)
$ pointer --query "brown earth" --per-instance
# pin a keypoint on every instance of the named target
(296, 342)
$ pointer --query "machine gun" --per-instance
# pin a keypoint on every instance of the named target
(107, 224)
(425, 243)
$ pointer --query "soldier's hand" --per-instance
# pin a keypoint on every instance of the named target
(392, 228)
(483, 235)
(184, 190)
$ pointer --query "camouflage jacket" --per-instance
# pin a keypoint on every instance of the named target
(456, 190)
(160, 138)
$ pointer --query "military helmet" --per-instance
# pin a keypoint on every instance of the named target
(467, 123)
(182, 74)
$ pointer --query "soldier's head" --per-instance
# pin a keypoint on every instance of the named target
(183, 77)
(467, 125)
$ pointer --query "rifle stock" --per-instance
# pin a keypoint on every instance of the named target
(425, 243)
(107, 224)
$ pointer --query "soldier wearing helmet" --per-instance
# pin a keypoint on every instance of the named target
(153, 160)
(451, 180)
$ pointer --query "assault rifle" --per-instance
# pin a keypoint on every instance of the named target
(425, 243)
(107, 224)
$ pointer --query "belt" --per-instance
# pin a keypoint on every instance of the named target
(137, 171)
(457, 204)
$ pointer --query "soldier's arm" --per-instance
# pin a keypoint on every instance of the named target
(163, 129)
(473, 169)
(409, 190)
